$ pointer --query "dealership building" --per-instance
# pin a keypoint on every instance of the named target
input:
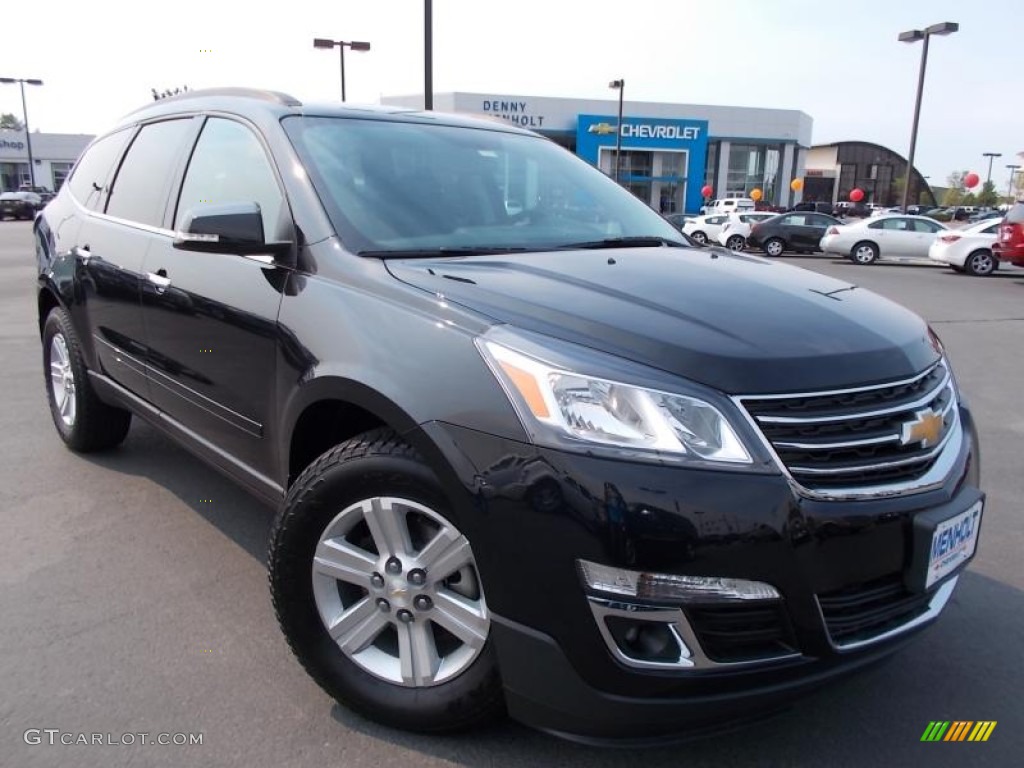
(669, 152)
(53, 154)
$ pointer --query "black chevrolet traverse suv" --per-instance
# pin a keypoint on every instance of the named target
(530, 452)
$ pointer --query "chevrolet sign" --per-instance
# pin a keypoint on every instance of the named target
(647, 131)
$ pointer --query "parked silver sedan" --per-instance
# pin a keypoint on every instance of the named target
(882, 237)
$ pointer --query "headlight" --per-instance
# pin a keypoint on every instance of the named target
(562, 408)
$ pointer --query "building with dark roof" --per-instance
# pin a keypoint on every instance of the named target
(832, 171)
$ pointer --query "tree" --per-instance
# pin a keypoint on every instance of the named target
(164, 94)
(988, 195)
(10, 122)
(954, 188)
(969, 199)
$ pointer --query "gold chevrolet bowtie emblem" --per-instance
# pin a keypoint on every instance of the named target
(601, 129)
(924, 428)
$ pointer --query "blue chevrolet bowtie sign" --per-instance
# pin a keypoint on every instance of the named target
(650, 133)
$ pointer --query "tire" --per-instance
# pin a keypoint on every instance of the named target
(700, 237)
(378, 480)
(736, 243)
(84, 422)
(774, 246)
(864, 253)
(981, 263)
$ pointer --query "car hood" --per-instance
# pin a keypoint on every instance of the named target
(738, 323)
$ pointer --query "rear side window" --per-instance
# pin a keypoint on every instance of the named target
(94, 168)
(925, 226)
(140, 190)
(1016, 214)
(230, 166)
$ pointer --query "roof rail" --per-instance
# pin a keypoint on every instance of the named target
(276, 97)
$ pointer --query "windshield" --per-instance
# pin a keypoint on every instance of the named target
(399, 187)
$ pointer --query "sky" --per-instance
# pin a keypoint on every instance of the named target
(838, 62)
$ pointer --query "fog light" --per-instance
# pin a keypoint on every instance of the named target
(667, 586)
(646, 640)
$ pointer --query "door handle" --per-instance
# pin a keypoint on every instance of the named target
(161, 281)
(84, 254)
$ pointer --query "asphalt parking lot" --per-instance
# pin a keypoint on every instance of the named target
(133, 594)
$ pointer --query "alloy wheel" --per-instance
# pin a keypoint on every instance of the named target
(62, 379)
(981, 263)
(397, 589)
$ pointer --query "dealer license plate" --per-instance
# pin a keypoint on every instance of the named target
(953, 543)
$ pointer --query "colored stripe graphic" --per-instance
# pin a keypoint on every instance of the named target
(982, 730)
(935, 730)
(958, 730)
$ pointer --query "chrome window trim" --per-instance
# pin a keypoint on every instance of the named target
(692, 656)
(935, 606)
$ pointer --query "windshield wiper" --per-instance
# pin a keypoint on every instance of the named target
(645, 241)
(424, 253)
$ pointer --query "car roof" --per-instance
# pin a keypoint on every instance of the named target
(255, 103)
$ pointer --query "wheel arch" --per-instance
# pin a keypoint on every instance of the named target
(865, 241)
(331, 409)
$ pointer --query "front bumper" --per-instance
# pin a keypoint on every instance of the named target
(532, 513)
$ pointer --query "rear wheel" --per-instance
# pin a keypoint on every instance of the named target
(980, 263)
(84, 422)
(774, 246)
(864, 253)
(378, 593)
(736, 243)
(700, 237)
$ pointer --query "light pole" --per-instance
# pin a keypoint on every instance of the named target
(620, 86)
(912, 36)
(1009, 186)
(428, 54)
(24, 116)
(321, 42)
(990, 156)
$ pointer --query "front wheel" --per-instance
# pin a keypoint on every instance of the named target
(774, 247)
(736, 243)
(84, 422)
(864, 253)
(700, 237)
(980, 264)
(378, 593)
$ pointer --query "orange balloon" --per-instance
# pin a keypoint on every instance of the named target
(796, 185)
(756, 194)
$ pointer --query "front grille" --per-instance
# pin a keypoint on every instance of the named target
(731, 633)
(867, 610)
(860, 437)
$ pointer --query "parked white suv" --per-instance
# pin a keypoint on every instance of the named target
(731, 205)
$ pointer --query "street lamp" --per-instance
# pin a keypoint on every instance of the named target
(912, 36)
(620, 86)
(990, 156)
(1009, 187)
(428, 55)
(321, 42)
(24, 116)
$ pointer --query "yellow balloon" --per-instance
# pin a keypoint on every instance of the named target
(796, 185)
(755, 194)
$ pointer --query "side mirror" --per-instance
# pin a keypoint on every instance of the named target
(234, 228)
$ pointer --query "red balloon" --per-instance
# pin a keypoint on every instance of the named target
(706, 190)
(856, 195)
(971, 180)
